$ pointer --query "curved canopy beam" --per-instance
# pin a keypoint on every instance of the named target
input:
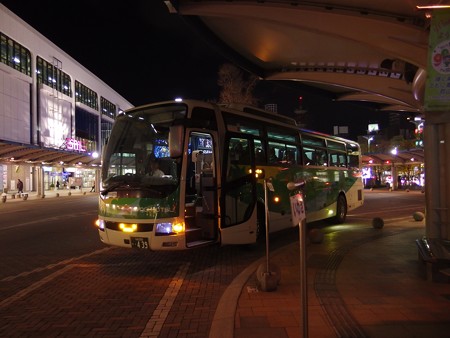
(282, 39)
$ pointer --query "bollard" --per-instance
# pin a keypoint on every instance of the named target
(4, 198)
(24, 197)
(418, 216)
(315, 236)
(377, 223)
(268, 280)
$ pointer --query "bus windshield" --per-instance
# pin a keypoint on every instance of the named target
(137, 154)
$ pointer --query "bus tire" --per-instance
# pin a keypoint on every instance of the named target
(341, 210)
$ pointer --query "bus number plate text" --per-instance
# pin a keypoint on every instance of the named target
(139, 242)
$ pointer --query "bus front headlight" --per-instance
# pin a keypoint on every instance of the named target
(169, 228)
(100, 224)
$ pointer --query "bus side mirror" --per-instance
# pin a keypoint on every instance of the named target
(295, 185)
(176, 141)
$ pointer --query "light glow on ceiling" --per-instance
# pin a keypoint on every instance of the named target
(432, 6)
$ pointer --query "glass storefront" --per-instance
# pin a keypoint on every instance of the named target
(68, 178)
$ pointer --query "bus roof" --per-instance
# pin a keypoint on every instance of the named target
(259, 112)
(251, 111)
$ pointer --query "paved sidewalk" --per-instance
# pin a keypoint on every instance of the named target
(13, 196)
(362, 282)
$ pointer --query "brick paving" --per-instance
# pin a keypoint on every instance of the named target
(118, 293)
(369, 278)
(377, 290)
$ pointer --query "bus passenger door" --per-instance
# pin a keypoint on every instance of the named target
(238, 195)
(201, 189)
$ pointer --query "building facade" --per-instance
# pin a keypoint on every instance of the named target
(55, 115)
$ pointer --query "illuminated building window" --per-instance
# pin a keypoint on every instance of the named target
(108, 108)
(85, 95)
(15, 55)
(51, 75)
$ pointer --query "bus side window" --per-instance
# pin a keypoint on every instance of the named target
(272, 155)
(290, 156)
(260, 154)
(308, 157)
(321, 157)
(260, 157)
(334, 160)
(241, 153)
(342, 160)
(238, 157)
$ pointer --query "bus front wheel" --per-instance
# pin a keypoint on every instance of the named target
(341, 210)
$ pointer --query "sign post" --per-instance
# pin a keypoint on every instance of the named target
(268, 279)
(298, 217)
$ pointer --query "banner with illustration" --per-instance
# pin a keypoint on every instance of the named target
(437, 89)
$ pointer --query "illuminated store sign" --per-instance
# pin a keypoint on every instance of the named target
(75, 145)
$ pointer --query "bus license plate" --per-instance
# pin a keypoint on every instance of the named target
(139, 242)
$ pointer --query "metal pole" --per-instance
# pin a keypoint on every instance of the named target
(266, 210)
(302, 249)
(303, 278)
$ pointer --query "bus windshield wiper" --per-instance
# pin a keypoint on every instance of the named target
(113, 187)
(122, 180)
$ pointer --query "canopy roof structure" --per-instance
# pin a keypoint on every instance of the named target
(410, 157)
(18, 153)
(362, 51)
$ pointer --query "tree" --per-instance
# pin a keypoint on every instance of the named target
(237, 87)
(401, 143)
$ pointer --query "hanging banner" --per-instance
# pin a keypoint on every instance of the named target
(297, 209)
(437, 88)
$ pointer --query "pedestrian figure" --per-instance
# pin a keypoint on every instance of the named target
(93, 188)
(57, 185)
(19, 187)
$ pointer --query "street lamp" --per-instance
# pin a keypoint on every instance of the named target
(368, 138)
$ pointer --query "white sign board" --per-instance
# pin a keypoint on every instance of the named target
(297, 209)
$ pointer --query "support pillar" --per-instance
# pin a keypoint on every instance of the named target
(40, 181)
(394, 176)
(97, 179)
(437, 175)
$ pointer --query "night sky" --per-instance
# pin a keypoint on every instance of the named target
(147, 54)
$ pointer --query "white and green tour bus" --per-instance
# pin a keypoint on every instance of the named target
(205, 190)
